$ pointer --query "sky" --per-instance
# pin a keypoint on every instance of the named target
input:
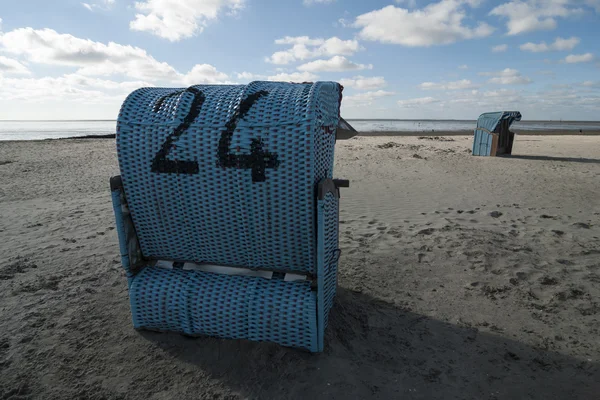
(406, 59)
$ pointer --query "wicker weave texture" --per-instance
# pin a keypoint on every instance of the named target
(227, 174)
(233, 307)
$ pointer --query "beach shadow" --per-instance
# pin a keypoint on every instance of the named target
(374, 349)
(551, 158)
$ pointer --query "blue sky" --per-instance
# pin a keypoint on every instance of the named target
(72, 59)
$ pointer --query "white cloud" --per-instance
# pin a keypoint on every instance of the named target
(334, 64)
(303, 48)
(421, 101)
(500, 48)
(70, 87)
(456, 85)
(570, 100)
(464, 66)
(49, 47)
(436, 24)
(485, 100)
(568, 97)
(534, 15)
(365, 98)
(363, 83)
(204, 73)
(294, 77)
(500, 93)
(579, 58)
(559, 44)
(507, 76)
(178, 19)
(344, 23)
(8, 65)
(249, 77)
(99, 5)
(300, 40)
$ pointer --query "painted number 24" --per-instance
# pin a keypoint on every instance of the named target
(257, 160)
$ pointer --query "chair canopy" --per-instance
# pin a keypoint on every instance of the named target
(490, 121)
(227, 174)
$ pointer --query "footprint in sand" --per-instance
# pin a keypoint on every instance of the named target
(548, 281)
(19, 266)
(395, 233)
(565, 262)
(582, 225)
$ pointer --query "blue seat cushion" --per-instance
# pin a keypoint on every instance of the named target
(226, 306)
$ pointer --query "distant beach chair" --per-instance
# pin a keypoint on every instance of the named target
(226, 210)
(492, 134)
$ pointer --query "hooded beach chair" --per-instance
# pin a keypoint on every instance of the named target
(227, 210)
(492, 135)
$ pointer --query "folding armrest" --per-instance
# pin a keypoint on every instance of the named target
(328, 252)
(131, 255)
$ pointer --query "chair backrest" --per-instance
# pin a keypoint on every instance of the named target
(491, 120)
(227, 174)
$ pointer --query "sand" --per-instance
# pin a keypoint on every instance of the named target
(461, 278)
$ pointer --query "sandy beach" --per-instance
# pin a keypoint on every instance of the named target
(461, 277)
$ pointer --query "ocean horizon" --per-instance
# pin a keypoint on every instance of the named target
(56, 129)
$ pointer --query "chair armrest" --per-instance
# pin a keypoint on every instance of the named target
(131, 254)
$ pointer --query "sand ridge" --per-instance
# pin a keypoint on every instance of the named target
(460, 278)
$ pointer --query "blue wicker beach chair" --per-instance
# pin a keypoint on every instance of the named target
(226, 210)
(492, 135)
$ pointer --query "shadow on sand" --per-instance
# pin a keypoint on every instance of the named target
(550, 158)
(376, 350)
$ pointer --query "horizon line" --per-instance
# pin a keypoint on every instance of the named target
(347, 119)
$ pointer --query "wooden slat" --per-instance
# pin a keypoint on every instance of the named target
(494, 145)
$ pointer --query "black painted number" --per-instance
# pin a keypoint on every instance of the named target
(258, 160)
(160, 163)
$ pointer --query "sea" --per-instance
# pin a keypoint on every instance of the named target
(36, 130)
